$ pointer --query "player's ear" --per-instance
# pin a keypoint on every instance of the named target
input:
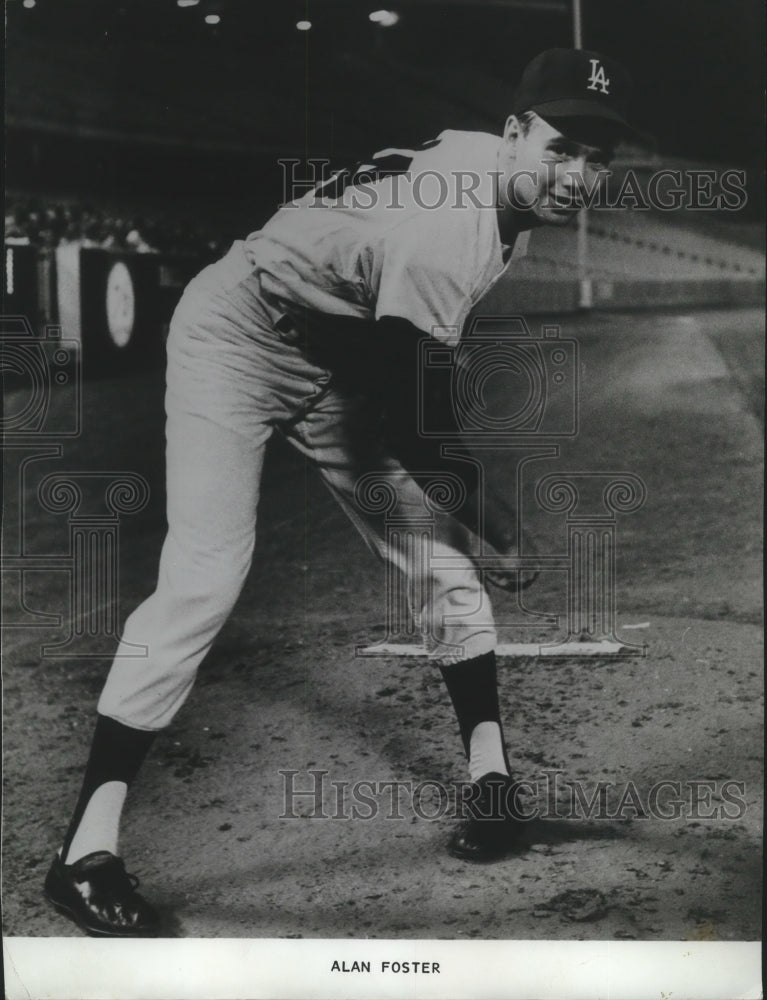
(511, 129)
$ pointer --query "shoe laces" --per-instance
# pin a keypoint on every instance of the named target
(112, 877)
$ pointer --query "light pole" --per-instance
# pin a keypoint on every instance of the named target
(585, 299)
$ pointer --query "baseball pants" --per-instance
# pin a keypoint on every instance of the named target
(232, 379)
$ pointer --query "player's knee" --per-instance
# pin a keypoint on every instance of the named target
(225, 579)
(457, 596)
(459, 617)
(212, 585)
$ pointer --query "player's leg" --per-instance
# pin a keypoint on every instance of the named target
(216, 433)
(213, 478)
(445, 593)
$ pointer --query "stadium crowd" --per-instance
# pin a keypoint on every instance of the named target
(49, 223)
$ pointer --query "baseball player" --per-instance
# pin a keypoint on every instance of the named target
(312, 326)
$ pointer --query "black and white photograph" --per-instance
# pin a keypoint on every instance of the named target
(383, 434)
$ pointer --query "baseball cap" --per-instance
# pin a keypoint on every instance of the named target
(576, 84)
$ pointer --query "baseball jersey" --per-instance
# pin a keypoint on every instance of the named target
(411, 234)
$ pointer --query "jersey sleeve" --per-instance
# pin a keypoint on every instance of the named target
(424, 268)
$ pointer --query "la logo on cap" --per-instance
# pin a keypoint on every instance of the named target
(598, 80)
(575, 84)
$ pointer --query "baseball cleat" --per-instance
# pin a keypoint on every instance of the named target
(494, 822)
(100, 897)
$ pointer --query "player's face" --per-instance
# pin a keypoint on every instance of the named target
(547, 174)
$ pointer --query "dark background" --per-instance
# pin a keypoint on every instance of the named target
(143, 96)
(142, 102)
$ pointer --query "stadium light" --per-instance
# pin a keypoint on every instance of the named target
(303, 25)
(29, 4)
(187, 3)
(386, 18)
(212, 19)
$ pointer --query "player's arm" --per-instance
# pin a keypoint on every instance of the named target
(380, 358)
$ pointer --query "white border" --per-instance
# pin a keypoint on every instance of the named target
(243, 969)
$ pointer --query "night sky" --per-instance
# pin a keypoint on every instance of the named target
(149, 69)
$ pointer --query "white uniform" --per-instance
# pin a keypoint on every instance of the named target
(236, 371)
